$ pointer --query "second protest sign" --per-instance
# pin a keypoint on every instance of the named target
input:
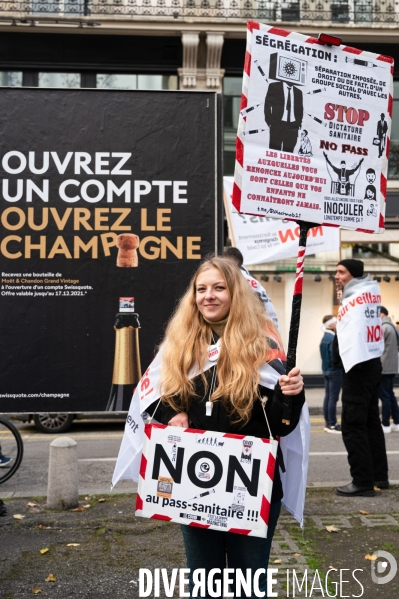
(207, 479)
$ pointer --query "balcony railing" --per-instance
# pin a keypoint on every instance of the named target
(356, 12)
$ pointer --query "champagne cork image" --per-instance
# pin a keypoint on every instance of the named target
(127, 243)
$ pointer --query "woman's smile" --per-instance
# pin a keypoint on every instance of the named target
(212, 296)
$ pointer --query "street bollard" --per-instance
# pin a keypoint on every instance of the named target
(62, 484)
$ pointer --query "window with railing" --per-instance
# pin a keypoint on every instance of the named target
(353, 11)
(266, 10)
(291, 12)
(363, 11)
(340, 11)
(60, 7)
(357, 12)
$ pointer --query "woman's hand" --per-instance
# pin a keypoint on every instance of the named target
(181, 419)
(291, 384)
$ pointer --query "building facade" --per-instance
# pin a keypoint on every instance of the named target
(200, 45)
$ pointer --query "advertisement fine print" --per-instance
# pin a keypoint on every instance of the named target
(314, 131)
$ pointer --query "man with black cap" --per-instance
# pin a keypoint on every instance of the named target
(358, 346)
(389, 361)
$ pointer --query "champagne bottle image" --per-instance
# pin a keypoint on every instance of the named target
(127, 366)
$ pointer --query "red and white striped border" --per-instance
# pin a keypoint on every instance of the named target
(300, 267)
(239, 162)
(265, 503)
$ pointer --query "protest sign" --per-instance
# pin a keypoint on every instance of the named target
(261, 239)
(313, 134)
(359, 329)
(206, 479)
(99, 210)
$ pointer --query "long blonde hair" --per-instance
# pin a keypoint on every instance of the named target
(249, 340)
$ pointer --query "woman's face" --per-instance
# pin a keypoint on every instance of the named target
(212, 296)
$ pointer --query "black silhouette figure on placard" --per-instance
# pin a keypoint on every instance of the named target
(283, 115)
(382, 129)
(284, 100)
(343, 186)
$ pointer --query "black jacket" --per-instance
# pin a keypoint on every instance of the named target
(221, 421)
(336, 358)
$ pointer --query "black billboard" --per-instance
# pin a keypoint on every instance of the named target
(105, 196)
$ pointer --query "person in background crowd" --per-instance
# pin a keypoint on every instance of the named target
(234, 254)
(219, 307)
(332, 376)
(361, 427)
(389, 361)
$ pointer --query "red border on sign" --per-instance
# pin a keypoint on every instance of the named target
(252, 25)
(143, 466)
(139, 502)
(384, 58)
(265, 510)
(277, 31)
(271, 465)
(239, 531)
(247, 63)
(352, 50)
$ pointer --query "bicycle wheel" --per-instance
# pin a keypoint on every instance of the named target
(11, 447)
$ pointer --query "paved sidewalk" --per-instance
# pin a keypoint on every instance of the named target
(96, 553)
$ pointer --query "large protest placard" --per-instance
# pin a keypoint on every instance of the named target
(207, 479)
(313, 134)
(99, 204)
(261, 239)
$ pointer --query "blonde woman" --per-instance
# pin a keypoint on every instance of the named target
(219, 305)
